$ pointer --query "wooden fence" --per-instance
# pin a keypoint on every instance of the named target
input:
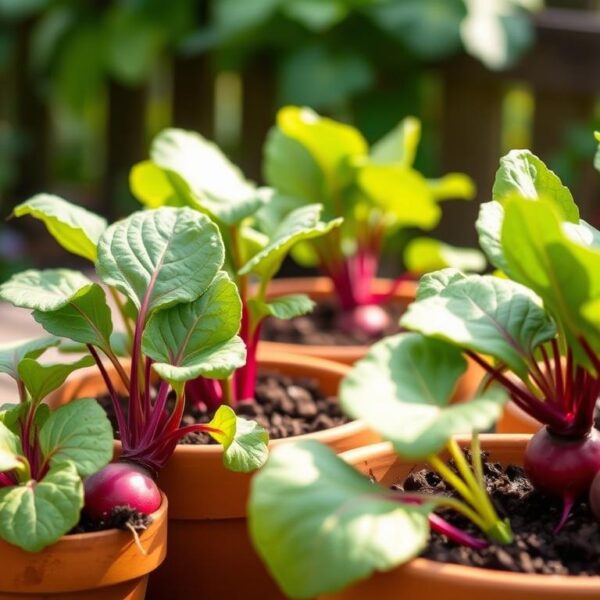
(562, 72)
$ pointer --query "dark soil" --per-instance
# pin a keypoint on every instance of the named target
(283, 405)
(319, 328)
(575, 550)
(121, 517)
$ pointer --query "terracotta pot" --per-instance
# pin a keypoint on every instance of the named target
(106, 565)
(210, 554)
(426, 579)
(515, 420)
(320, 289)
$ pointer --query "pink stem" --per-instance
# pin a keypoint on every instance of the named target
(456, 535)
(568, 500)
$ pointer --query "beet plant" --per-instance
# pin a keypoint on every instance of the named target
(536, 330)
(44, 454)
(335, 526)
(378, 192)
(187, 170)
(186, 312)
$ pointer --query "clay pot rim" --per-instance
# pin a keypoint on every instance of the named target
(157, 516)
(320, 288)
(493, 577)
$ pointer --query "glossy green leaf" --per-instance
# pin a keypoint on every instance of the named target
(403, 193)
(162, 256)
(319, 525)
(78, 433)
(211, 181)
(452, 186)
(282, 307)
(10, 443)
(399, 146)
(35, 516)
(423, 254)
(73, 227)
(304, 223)
(85, 319)
(198, 338)
(245, 442)
(431, 284)
(154, 187)
(40, 379)
(11, 353)
(485, 314)
(402, 390)
(43, 290)
(523, 174)
(564, 273)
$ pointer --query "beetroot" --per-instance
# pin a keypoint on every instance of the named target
(121, 484)
(370, 318)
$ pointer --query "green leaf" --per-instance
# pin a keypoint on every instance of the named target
(320, 525)
(9, 461)
(35, 515)
(73, 227)
(452, 186)
(524, 174)
(209, 180)
(283, 307)
(485, 314)
(399, 146)
(489, 227)
(43, 290)
(404, 194)
(12, 353)
(85, 319)
(314, 14)
(425, 254)
(245, 442)
(154, 187)
(40, 379)
(78, 433)
(301, 224)
(198, 338)
(402, 390)
(162, 256)
(331, 144)
(10, 443)
(564, 273)
(431, 284)
(292, 170)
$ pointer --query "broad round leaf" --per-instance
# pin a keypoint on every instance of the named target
(86, 318)
(43, 290)
(35, 516)
(523, 174)
(78, 433)
(11, 353)
(489, 227)
(398, 146)
(198, 338)
(320, 525)
(73, 227)
(164, 256)
(485, 314)
(402, 390)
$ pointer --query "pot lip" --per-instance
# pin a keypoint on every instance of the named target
(431, 569)
(157, 517)
(322, 286)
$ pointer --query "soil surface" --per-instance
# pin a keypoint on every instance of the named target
(319, 328)
(575, 550)
(284, 406)
(121, 517)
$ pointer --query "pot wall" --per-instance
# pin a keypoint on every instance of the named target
(515, 420)
(428, 580)
(91, 566)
